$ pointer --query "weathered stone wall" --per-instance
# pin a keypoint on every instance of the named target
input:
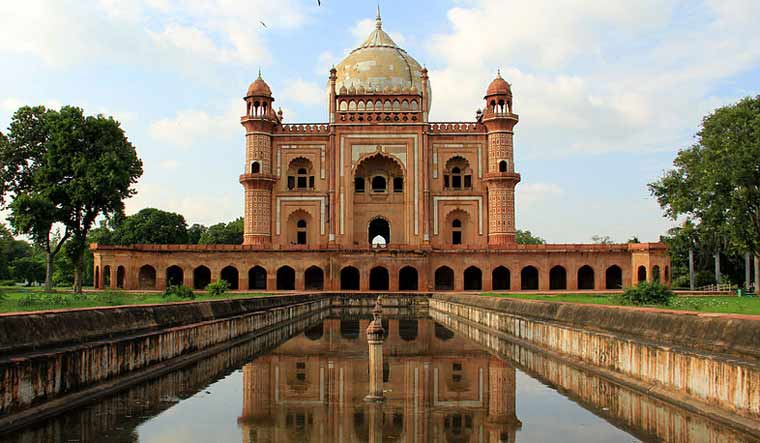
(35, 377)
(642, 415)
(711, 359)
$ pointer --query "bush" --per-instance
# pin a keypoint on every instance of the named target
(179, 291)
(217, 288)
(3, 296)
(36, 298)
(646, 293)
(112, 298)
(7, 282)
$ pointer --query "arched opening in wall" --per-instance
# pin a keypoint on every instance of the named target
(473, 279)
(299, 226)
(255, 167)
(379, 227)
(300, 174)
(201, 277)
(314, 279)
(379, 184)
(398, 184)
(230, 275)
(557, 278)
(286, 279)
(96, 283)
(146, 277)
(500, 279)
(107, 276)
(257, 278)
(408, 279)
(667, 274)
(443, 333)
(315, 332)
(175, 276)
(359, 184)
(120, 277)
(349, 329)
(378, 279)
(457, 174)
(456, 232)
(444, 279)
(613, 277)
(407, 329)
(642, 274)
(656, 273)
(529, 278)
(503, 166)
(349, 278)
(586, 277)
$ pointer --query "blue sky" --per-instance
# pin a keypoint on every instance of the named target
(607, 92)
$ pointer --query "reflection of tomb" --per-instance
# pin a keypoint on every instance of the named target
(438, 387)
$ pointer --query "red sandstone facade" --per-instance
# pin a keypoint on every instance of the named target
(380, 198)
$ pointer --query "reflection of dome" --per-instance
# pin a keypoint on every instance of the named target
(380, 64)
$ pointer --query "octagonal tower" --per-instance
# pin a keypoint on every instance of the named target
(257, 179)
(500, 177)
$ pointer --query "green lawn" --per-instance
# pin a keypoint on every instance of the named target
(35, 299)
(725, 305)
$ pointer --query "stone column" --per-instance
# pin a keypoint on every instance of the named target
(375, 335)
(757, 274)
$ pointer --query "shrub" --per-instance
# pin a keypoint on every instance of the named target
(112, 298)
(218, 287)
(179, 291)
(7, 282)
(36, 298)
(647, 293)
(3, 296)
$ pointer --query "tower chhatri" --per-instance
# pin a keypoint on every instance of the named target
(439, 198)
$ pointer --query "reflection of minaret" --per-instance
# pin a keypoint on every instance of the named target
(257, 402)
(502, 423)
(375, 336)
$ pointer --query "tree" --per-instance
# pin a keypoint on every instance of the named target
(223, 234)
(602, 239)
(63, 167)
(10, 250)
(526, 238)
(29, 269)
(151, 226)
(195, 232)
(716, 182)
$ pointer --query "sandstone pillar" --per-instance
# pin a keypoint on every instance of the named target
(375, 336)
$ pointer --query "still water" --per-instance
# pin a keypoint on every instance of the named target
(439, 387)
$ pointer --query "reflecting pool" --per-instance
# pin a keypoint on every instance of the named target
(438, 385)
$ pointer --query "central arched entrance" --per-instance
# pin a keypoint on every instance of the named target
(444, 279)
(378, 279)
(379, 227)
(286, 279)
(408, 279)
(314, 279)
(230, 275)
(473, 279)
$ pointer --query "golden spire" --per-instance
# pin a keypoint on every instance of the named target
(378, 20)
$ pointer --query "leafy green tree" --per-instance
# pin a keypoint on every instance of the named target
(716, 182)
(29, 269)
(151, 226)
(602, 239)
(62, 167)
(223, 233)
(10, 250)
(527, 238)
(195, 232)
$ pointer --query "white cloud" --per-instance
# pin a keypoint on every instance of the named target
(363, 28)
(193, 127)
(537, 192)
(303, 92)
(325, 61)
(592, 76)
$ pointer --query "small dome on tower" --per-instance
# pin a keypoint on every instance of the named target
(499, 86)
(259, 87)
(343, 90)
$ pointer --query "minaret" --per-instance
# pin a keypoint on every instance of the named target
(257, 179)
(501, 178)
(502, 422)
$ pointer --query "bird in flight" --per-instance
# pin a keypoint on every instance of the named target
(263, 24)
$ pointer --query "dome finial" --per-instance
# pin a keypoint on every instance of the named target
(498, 72)
(378, 19)
(260, 78)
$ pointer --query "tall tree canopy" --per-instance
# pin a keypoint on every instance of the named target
(715, 184)
(151, 226)
(63, 167)
(223, 233)
(527, 238)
